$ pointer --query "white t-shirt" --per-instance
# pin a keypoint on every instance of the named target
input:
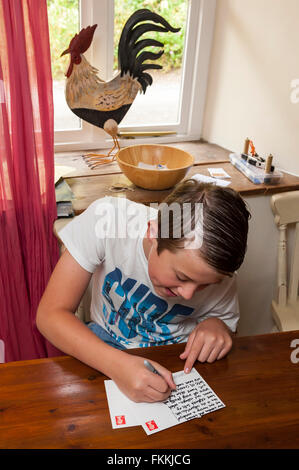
(106, 240)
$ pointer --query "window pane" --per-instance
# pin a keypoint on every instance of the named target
(160, 103)
(64, 23)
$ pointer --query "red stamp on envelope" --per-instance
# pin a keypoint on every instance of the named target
(120, 420)
(151, 425)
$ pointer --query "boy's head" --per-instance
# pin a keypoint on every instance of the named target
(215, 219)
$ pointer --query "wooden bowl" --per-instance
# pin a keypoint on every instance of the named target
(177, 164)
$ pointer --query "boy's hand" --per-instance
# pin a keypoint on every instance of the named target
(141, 385)
(210, 340)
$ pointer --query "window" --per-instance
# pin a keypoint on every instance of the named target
(160, 105)
(64, 23)
(173, 103)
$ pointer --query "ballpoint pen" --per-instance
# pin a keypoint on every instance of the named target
(150, 367)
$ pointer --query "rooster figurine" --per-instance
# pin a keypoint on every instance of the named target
(104, 104)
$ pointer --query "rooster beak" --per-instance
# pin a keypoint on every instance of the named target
(67, 51)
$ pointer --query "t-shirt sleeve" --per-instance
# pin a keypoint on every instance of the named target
(227, 307)
(81, 237)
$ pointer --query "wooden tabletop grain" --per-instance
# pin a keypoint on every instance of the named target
(87, 189)
(61, 403)
(89, 185)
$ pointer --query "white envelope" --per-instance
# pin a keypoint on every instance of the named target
(218, 173)
(192, 399)
(120, 407)
(125, 412)
(208, 179)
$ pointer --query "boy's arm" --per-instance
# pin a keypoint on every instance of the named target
(56, 321)
(211, 339)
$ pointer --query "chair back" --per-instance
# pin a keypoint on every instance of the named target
(285, 207)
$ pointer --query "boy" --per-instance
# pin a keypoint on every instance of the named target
(159, 277)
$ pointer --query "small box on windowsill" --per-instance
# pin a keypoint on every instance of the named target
(254, 174)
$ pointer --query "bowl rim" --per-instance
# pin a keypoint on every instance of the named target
(154, 145)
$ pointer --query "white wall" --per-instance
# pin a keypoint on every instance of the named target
(255, 57)
(257, 277)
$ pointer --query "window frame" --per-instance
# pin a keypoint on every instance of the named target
(195, 67)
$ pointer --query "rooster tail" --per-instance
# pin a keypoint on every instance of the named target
(128, 59)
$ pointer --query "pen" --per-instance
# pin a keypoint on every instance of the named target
(150, 367)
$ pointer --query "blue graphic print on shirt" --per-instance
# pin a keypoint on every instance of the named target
(149, 318)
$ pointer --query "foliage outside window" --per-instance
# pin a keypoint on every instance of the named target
(64, 20)
(174, 11)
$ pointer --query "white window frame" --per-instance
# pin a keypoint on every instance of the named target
(198, 44)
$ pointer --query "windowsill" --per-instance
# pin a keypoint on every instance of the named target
(203, 152)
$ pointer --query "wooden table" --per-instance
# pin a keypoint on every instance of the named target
(61, 403)
(89, 185)
(89, 188)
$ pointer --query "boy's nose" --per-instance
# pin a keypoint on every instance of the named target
(188, 290)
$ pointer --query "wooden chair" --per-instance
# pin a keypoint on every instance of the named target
(285, 308)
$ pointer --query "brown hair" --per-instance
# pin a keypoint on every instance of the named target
(224, 224)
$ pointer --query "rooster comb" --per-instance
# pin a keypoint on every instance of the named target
(81, 41)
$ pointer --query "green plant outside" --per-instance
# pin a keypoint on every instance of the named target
(174, 11)
(63, 18)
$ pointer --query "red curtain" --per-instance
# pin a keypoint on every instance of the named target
(28, 248)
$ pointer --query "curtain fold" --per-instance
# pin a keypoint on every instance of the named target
(28, 248)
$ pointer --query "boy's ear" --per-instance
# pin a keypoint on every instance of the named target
(152, 230)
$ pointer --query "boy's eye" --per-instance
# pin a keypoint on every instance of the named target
(180, 279)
